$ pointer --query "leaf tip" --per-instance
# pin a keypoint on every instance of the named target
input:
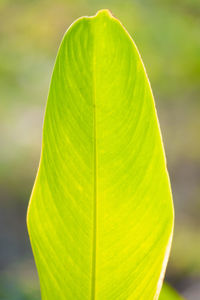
(104, 13)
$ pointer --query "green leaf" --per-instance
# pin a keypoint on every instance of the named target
(168, 293)
(100, 218)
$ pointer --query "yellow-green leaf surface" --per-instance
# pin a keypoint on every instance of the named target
(168, 293)
(100, 218)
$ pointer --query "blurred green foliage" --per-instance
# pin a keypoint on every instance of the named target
(167, 293)
(167, 34)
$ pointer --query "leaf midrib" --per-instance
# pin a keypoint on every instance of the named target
(94, 248)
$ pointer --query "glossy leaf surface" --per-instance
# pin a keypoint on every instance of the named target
(100, 218)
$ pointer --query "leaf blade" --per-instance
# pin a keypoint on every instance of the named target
(102, 162)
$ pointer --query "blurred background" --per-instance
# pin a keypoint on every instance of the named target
(167, 33)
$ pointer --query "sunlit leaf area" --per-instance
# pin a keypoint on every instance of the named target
(100, 217)
(167, 36)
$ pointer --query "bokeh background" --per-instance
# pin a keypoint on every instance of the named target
(167, 33)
